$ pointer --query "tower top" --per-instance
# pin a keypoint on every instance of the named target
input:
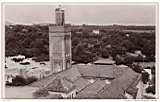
(59, 16)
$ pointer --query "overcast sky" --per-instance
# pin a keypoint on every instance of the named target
(83, 14)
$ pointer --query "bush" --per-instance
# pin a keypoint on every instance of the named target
(25, 63)
(145, 77)
(151, 89)
(17, 59)
(137, 68)
(21, 81)
(129, 60)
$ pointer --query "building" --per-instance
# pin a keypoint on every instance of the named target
(60, 19)
(104, 62)
(102, 79)
(93, 81)
(59, 44)
(10, 74)
(96, 32)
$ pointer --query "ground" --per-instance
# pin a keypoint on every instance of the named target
(19, 92)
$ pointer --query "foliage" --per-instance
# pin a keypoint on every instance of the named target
(26, 40)
(81, 55)
(151, 89)
(33, 41)
(145, 77)
(137, 68)
(25, 63)
(126, 60)
(18, 81)
(17, 59)
(21, 81)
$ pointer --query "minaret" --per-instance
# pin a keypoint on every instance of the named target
(59, 43)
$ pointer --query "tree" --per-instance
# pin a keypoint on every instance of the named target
(129, 60)
(145, 77)
(82, 55)
(137, 68)
(105, 53)
(21, 81)
(151, 89)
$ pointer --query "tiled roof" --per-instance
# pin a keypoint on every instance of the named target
(74, 78)
(132, 91)
(60, 85)
(81, 83)
(92, 89)
(74, 73)
(43, 82)
(96, 71)
(104, 61)
(71, 74)
(118, 71)
(117, 88)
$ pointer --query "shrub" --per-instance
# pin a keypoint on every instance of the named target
(151, 89)
(137, 68)
(145, 77)
(25, 63)
(18, 81)
(21, 81)
(17, 59)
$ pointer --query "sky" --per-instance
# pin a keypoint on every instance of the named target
(83, 14)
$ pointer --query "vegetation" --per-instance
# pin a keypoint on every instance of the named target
(25, 63)
(17, 59)
(152, 87)
(145, 77)
(33, 41)
(21, 81)
(137, 68)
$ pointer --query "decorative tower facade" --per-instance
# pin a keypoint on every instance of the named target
(59, 43)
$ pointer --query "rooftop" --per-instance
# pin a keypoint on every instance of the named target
(104, 61)
(60, 85)
(122, 79)
(118, 86)
(78, 71)
(92, 89)
(96, 71)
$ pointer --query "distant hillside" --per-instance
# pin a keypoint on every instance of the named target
(8, 23)
(118, 27)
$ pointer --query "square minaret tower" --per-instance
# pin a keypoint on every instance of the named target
(59, 44)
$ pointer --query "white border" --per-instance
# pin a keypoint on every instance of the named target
(84, 2)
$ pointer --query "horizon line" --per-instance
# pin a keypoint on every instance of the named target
(120, 24)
